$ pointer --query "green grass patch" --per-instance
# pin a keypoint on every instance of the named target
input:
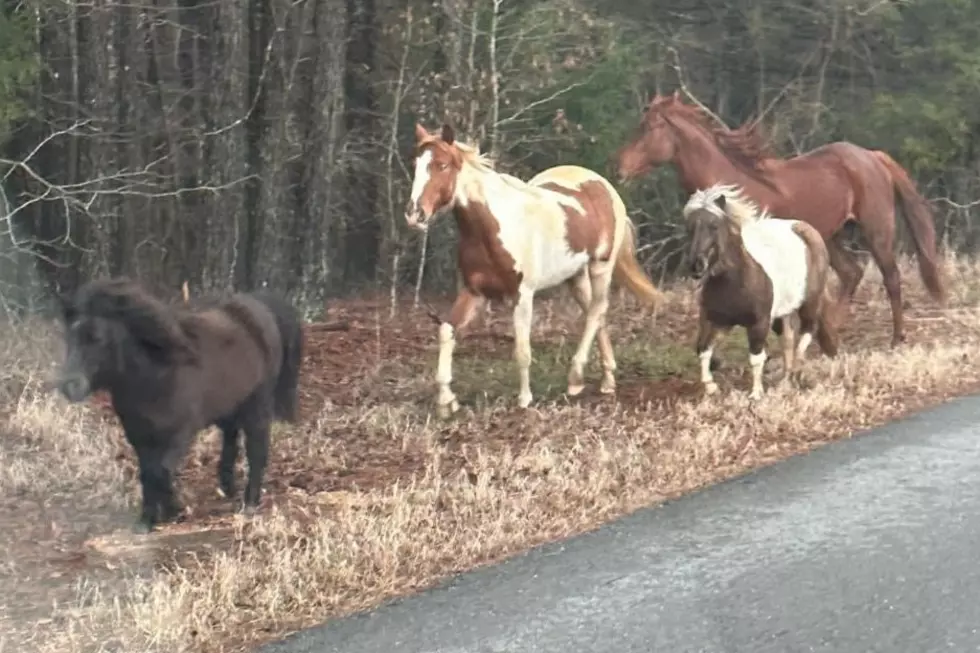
(481, 380)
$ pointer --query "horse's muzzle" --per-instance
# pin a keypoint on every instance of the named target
(75, 388)
(698, 268)
(415, 217)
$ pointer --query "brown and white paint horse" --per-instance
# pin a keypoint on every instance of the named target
(757, 272)
(567, 225)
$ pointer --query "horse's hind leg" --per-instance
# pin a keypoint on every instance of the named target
(846, 265)
(881, 246)
(226, 463)
(788, 337)
(257, 452)
(581, 288)
(598, 279)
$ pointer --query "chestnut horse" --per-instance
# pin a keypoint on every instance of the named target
(567, 225)
(757, 273)
(824, 187)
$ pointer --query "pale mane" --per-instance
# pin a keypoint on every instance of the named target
(740, 208)
(483, 164)
(477, 166)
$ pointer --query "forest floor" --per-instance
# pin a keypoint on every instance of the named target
(370, 497)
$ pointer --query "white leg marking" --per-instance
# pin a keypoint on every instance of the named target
(446, 402)
(581, 288)
(523, 314)
(801, 347)
(608, 385)
(789, 335)
(594, 318)
(757, 362)
(707, 379)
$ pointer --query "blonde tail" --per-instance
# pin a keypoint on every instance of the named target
(629, 273)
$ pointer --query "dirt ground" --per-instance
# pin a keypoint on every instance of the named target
(370, 497)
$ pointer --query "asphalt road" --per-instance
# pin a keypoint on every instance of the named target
(869, 544)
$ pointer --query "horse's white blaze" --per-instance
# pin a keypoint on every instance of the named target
(782, 254)
(422, 175)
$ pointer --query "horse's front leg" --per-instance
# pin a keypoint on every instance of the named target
(257, 452)
(523, 315)
(705, 350)
(158, 461)
(226, 463)
(462, 313)
(150, 483)
(757, 334)
(174, 451)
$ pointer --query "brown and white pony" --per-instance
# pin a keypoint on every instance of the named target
(567, 225)
(757, 272)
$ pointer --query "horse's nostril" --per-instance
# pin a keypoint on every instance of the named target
(74, 389)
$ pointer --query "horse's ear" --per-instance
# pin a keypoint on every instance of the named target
(420, 133)
(448, 134)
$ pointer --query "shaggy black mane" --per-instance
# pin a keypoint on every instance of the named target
(150, 321)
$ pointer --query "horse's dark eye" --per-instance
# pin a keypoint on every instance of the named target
(86, 333)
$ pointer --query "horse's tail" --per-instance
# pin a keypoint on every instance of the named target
(827, 333)
(627, 270)
(918, 217)
(291, 338)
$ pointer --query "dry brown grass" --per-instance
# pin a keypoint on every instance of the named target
(400, 500)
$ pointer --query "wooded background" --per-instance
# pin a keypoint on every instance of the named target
(236, 143)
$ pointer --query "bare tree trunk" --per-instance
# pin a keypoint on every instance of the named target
(363, 238)
(259, 22)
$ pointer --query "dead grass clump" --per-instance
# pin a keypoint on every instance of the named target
(350, 549)
(402, 500)
(50, 447)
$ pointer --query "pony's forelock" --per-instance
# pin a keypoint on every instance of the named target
(147, 318)
(738, 206)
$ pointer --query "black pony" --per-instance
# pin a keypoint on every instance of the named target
(173, 371)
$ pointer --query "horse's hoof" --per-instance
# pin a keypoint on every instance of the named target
(574, 390)
(445, 411)
(142, 527)
(250, 510)
(710, 388)
(607, 389)
(755, 395)
(524, 401)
